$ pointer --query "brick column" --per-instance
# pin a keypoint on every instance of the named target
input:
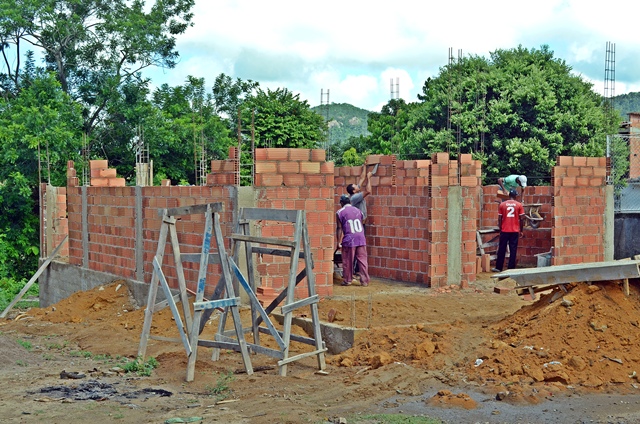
(437, 205)
(578, 210)
(299, 179)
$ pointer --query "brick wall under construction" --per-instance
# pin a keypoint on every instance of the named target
(115, 229)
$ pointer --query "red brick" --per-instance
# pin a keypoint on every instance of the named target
(565, 160)
(300, 154)
(293, 180)
(502, 290)
(318, 155)
(289, 167)
(277, 153)
(99, 182)
(117, 182)
(98, 164)
(373, 159)
(103, 173)
(266, 167)
(309, 167)
(327, 168)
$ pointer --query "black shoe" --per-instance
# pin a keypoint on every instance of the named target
(496, 270)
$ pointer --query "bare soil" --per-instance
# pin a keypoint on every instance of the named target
(468, 355)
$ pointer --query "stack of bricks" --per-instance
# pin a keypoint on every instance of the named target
(225, 172)
(72, 178)
(297, 179)
(103, 176)
(578, 210)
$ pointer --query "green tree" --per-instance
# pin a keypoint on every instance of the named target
(39, 132)
(93, 46)
(516, 112)
(283, 120)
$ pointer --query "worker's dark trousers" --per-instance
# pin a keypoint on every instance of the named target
(512, 240)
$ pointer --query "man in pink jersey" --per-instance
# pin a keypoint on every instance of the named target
(350, 238)
(511, 223)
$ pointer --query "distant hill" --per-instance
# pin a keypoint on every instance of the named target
(626, 103)
(344, 121)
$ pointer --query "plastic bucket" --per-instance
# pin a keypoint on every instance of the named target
(544, 259)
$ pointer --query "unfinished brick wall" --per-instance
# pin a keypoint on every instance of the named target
(408, 213)
(578, 210)
(55, 218)
(634, 145)
(299, 179)
(112, 222)
(285, 179)
(534, 240)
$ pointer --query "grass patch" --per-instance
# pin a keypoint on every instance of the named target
(9, 289)
(81, 353)
(140, 367)
(25, 344)
(57, 346)
(221, 390)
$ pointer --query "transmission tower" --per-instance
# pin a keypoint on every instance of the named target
(325, 107)
(395, 91)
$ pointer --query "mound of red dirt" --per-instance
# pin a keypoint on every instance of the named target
(587, 338)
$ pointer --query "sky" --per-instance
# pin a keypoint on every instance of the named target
(364, 52)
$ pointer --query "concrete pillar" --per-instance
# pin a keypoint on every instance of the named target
(454, 235)
(609, 222)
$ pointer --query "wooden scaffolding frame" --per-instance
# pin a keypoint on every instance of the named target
(192, 327)
(224, 297)
(296, 248)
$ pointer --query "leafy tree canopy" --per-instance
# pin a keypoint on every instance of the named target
(515, 111)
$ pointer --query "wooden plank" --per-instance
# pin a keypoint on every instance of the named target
(256, 303)
(299, 304)
(172, 306)
(262, 214)
(290, 359)
(193, 209)
(200, 286)
(33, 278)
(213, 304)
(294, 337)
(574, 273)
(233, 345)
(275, 302)
(195, 258)
(153, 289)
(237, 322)
(274, 252)
(165, 339)
(264, 240)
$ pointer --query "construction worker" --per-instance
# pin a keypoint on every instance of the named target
(512, 182)
(510, 223)
(357, 195)
(350, 239)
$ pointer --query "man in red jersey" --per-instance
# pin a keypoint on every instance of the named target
(511, 223)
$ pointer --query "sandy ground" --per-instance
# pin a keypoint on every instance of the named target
(463, 356)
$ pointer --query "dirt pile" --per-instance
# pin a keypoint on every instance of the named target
(587, 338)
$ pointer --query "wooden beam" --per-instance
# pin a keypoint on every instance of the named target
(33, 279)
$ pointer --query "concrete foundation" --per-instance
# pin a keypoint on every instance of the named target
(60, 280)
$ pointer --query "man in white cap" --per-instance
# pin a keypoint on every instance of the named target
(512, 182)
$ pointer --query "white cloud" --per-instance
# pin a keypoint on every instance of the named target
(353, 48)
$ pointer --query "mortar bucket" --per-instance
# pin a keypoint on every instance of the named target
(544, 259)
